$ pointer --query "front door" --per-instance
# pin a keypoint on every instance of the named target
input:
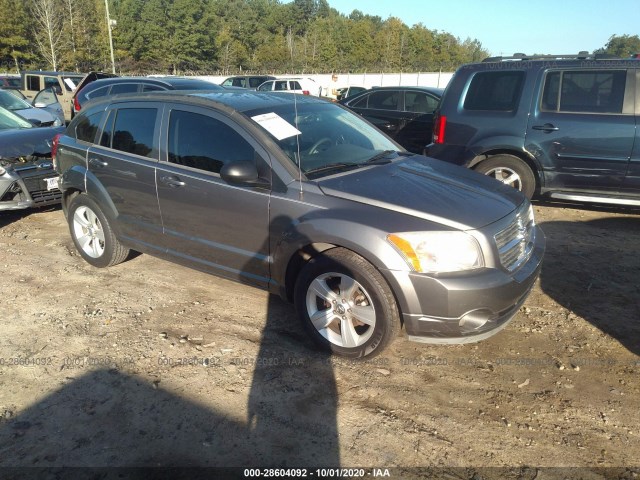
(215, 226)
(582, 128)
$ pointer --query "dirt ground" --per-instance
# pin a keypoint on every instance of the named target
(152, 364)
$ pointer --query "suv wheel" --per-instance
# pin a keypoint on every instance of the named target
(93, 235)
(511, 171)
(346, 305)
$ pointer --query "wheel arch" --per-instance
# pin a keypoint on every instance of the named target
(520, 155)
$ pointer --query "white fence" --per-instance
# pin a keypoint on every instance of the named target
(368, 80)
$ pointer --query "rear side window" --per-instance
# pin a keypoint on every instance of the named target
(281, 85)
(385, 100)
(584, 91)
(132, 131)
(295, 85)
(87, 127)
(255, 82)
(99, 92)
(124, 88)
(205, 143)
(33, 82)
(497, 91)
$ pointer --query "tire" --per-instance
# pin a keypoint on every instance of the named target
(92, 234)
(346, 305)
(511, 171)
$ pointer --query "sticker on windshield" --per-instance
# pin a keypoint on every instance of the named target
(276, 125)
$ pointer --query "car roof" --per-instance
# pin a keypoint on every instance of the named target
(52, 73)
(240, 100)
(411, 87)
(181, 83)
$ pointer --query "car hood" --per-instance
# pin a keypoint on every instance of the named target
(36, 115)
(427, 188)
(27, 142)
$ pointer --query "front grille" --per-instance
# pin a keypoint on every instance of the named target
(37, 188)
(515, 243)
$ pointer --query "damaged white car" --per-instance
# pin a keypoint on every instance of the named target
(27, 177)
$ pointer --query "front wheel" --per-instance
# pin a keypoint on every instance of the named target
(346, 305)
(92, 233)
(511, 171)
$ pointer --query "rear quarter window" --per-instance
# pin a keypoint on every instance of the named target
(494, 91)
(87, 127)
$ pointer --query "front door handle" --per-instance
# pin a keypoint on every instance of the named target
(547, 127)
(96, 162)
(172, 181)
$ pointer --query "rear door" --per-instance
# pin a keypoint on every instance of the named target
(214, 226)
(582, 127)
(124, 162)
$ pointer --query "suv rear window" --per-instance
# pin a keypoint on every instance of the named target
(497, 91)
(584, 91)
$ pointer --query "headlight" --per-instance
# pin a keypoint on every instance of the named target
(57, 122)
(432, 252)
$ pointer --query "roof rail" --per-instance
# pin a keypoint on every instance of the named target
(582, 55)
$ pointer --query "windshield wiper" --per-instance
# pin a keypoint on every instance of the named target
(333, 166)
(380, 158)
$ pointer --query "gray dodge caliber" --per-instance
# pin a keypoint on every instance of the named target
(303, 198)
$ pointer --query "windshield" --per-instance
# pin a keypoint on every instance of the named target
(329, 136)
(9, 120)
(11, 102)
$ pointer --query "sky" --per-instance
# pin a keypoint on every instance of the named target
(506, 27)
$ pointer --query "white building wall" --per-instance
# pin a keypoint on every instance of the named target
(433, 79)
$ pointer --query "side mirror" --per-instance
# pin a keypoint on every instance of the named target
(242, 173)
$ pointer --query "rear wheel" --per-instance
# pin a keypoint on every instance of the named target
(92, 233)
(511, 171)
(346, 305)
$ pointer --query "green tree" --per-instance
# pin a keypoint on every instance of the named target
(15, 37)
(621, 45)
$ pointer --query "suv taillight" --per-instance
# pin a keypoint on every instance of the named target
(54, 150)
(76, 104)
(439, 127)
(305, 92)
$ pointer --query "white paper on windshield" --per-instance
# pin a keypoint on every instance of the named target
(276, 125)
(70, 83)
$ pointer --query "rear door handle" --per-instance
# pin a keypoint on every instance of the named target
(172, 181)
(96, 162)
(547, 127)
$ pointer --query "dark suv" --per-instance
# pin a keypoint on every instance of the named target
(101, 87)
(304, 198)
(565, 128)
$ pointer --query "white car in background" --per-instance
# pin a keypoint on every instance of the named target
(301, 85)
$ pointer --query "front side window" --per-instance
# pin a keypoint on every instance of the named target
(584, 91)
(133, 130)
(419, 102)
(202, 142)
(265, 87)
(495, 91)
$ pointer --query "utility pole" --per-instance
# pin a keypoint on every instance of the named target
(109, 24)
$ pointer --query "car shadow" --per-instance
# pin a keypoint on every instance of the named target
(592, 269)
(113, 417)
(116, 417)
(10, 216)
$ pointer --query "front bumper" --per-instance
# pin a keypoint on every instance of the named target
(27, 189)
(464, 308)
